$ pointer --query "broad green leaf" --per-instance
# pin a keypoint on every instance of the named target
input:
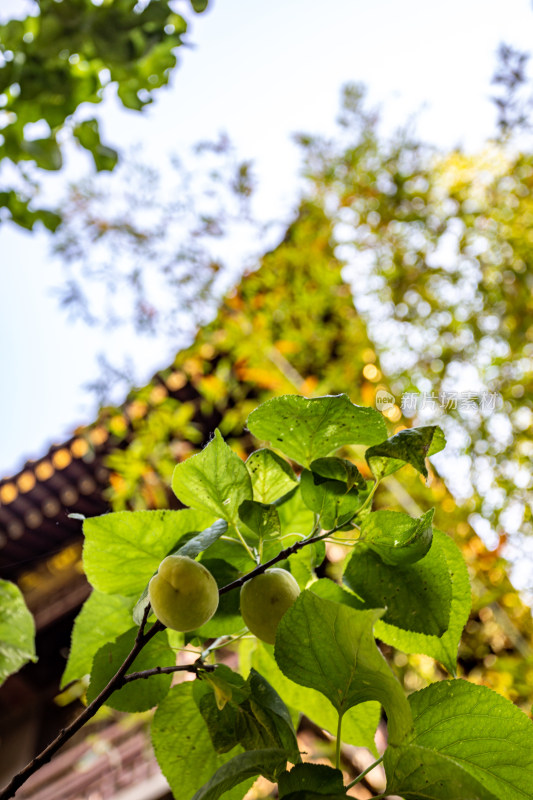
(329, 499)
(294, 516)
(249, 713)
(203, 540)
(316, 778)
(411, 446)
(271, 476)
(214, 480)
(467, 742)
(306, 429)
(330, 647)
(123, 550)
(339, 469)
(17, 631)
(260, 519)
(273, 719)
(443, 648)
(139, 695)
(397, 538)
(359, 724)
(102, 618)
(240, 768)
(183, 747)
(417, 597)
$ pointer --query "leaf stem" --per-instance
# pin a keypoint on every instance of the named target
(338, 745)
(370, 496)
(365, 772)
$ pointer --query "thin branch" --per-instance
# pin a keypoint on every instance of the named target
(66, 733)
(281, 556)
(147, 673)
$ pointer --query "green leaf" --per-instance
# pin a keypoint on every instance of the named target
(123, 550)
(306, 429)
(250, 713)
(397, 538)
(271, 476)
(294, 515)
(45, 153)
(443, 648)
(241, 767)
(260, 519)
(17, 631)
(330, 647)
(88, 135)
(417, 597)
(338, 469)
(182, 744)
(203, 540)
(329, 499)
(102, 618)
(139, 695)
(315, 778)
(273, 719)
(359, 724)
(411, 446)
(467, 741)
(215, 480)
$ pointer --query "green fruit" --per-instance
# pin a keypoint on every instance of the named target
(265, 599)
(183, 593)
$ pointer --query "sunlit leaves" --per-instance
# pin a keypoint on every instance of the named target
(444, 647)
(140, 695)
(102, 618)
(182, 744)
(215, 480)
(308, 429)
(330, 647)
(417, 597)
(411, 446)
(467, 741)
(123, 550)
(271, 476)
(17, 630)
(397, 538)
(359, 723)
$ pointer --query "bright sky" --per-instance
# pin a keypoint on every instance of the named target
(259, 71)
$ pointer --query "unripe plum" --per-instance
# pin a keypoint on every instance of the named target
(183, 593)
(265, 599)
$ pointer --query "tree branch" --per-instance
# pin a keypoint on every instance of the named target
(147, 673)
(66, 733)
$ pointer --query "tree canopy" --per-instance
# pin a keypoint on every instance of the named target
(64, 54)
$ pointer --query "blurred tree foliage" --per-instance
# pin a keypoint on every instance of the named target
(438, 253)
(149, 249)
(63, 54)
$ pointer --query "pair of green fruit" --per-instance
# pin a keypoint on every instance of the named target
(184, 596)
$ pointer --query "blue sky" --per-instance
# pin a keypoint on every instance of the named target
(259, 71)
